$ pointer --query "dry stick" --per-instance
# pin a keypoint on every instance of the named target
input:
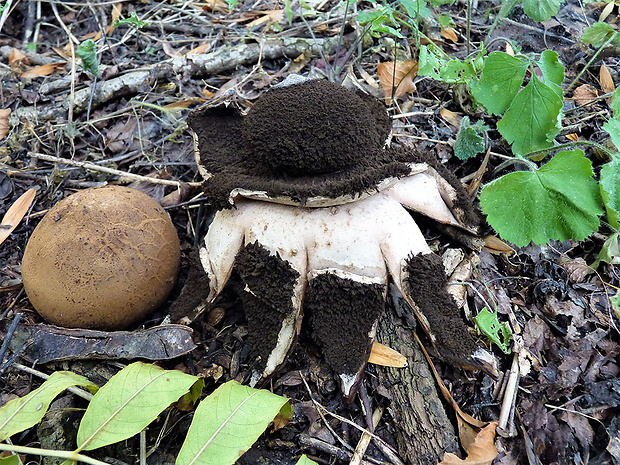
(78, 392)
(103, 169)
(510, 397)
(339, 454)
(364, 441)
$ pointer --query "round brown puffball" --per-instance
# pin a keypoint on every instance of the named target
(102, 258)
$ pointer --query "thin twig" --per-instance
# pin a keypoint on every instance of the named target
(103, 169)
(67, 455)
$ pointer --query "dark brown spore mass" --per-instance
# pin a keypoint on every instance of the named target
(343, 313)
(327, 130)
(426, 285)
(270, 280)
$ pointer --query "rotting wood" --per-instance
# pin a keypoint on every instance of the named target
(221, 60)
(424, 431)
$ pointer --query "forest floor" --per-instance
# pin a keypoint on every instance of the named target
(131, 118)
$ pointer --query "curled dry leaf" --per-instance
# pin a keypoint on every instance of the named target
(386, 356)
(17, 58)
(449, 34)
(606, 11)
(397, 78)
(605, 79)
(584, 94)
(15, 214)
(572, 137)
(4, 122)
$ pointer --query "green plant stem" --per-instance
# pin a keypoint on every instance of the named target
(468, 26)
(596, 54)
(569, 145)
(63, 454)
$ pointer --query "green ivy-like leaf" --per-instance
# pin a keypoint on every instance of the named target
(615, 102)
(615, 304)
(560, 200)
(610, 252)
(552, 70)
(228, 422)
(134, 20)
(610, 191)
(10, 460)
(469, 140)
(531, 122)
(20, 414)
(541, 10)
(132, 399)
(87, 51)
(597, 34)
(501, 79)
(452, 71)
(612, 127)
(499, 333)
(416, 8)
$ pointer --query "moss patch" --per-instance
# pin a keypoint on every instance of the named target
(426, 285)
(343, 313)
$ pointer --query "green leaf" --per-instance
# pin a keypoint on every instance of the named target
(87, 51)
(615, 304)
(599, 33)
(506, 8)
(134, 20)
(501, 79)
(552, 70)
(532, 120)
(541, 10)
(303, 460)
(559, 201)
(612, 127)
(450, 71)
(499, 333)
(610, 191)
(20, 414)
(469, 140)
(610, 252)
(416, 8)
(132, 399)
(13, 460)
(615, 102)
(228, 422)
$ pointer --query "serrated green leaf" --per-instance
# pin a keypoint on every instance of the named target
(541, 10)
(134, 20)
(532, 120)
(610, 191)
(501, 79)
(87, 51)
(597, 34)
(132, 399)
(612, 127)
(228, 422)
(303, 460)
(561, 200)
(499, 333)
(552, 70)
(469, 140)
(20, 414)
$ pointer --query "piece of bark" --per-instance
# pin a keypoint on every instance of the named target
(46, 343)
(424, 431)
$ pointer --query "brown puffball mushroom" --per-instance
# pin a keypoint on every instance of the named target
(102, 258)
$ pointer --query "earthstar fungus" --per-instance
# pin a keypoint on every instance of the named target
(312, 213)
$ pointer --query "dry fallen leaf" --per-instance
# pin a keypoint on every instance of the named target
(216, 5)
(572, 137)
(275, 16)
(42, 70)
(584, 94)
(397, 78)
(200, 49)
(386, 356)
(4, 122)
(16, 58)
(496, 246)
(15, 214)
(606, 81)
(449, 34)
(179, 105)
(117, 8)
(509, 50)
(451, 117)
(481, 451)
(606, 11)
